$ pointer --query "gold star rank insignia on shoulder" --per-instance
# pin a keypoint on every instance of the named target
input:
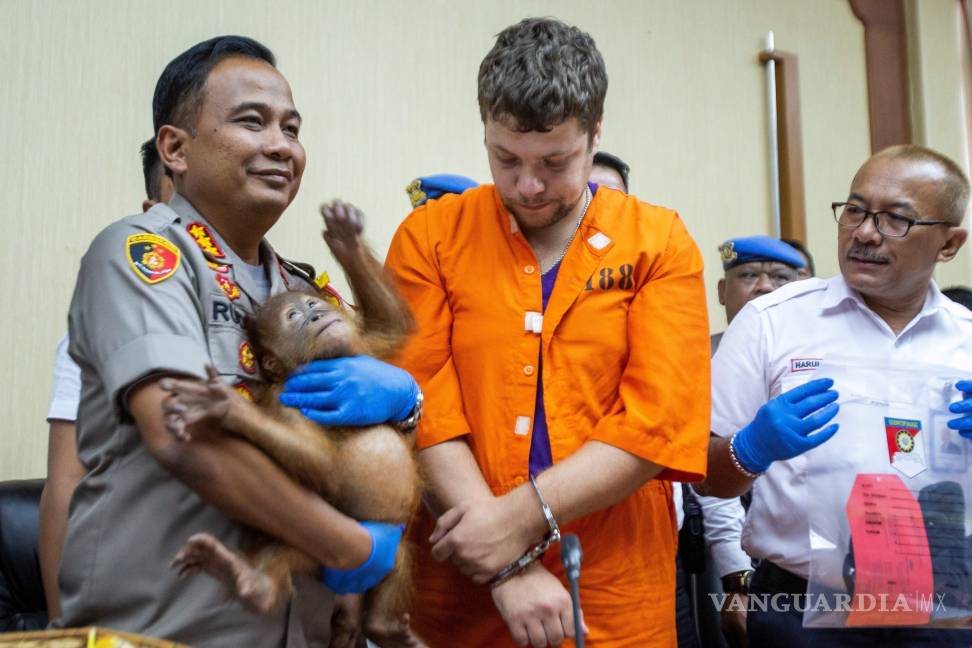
(205, 240)
(152, 257)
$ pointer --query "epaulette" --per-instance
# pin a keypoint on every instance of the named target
(303, 270)
(790, 291)
(321, 282)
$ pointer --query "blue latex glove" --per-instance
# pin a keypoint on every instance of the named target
(384, 545)
(962, 423)
(357, 390)
(782, 427)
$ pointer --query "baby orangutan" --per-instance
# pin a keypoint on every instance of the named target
(368, 473)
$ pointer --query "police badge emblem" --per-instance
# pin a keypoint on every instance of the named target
(906, 445)
(152, 257)
(727, 251)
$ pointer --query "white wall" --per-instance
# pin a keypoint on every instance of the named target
(388, 92)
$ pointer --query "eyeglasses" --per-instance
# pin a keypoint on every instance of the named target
(851, 216)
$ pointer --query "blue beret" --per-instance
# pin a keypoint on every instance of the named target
(747, 249)
(434, 186)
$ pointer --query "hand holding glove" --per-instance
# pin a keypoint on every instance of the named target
(962, 423)
(782, 427)
(354, 391)
(384, 545)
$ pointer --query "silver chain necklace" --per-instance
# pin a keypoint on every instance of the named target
(570, 239)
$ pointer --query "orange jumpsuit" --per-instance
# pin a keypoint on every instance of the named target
(625, 350)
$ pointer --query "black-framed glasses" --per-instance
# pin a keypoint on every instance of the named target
(887, 223)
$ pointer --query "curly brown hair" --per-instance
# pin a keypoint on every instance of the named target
(540, 73)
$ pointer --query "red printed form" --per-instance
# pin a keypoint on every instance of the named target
(894, 580)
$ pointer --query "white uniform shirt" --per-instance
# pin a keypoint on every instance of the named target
(677, 500)
(723, 529)
(66, 390)
(774, 344)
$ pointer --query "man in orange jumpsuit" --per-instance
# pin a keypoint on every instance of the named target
(562, 334)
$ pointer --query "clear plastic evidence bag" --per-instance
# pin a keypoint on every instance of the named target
(888, 503)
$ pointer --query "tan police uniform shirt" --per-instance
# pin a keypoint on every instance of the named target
(160, 292)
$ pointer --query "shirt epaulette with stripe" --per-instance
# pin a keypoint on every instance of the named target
(789, 291)
(302, 270)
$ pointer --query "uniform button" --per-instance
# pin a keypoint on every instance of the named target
(519, 480)
(529, 269)
(528, 370)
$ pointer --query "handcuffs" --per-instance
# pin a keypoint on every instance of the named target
(521, 563)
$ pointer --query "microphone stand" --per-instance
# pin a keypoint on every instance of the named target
(570, 556)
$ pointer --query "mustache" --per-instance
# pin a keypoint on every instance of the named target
(867, 253)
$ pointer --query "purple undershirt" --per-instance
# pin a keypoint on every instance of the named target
(540, 456)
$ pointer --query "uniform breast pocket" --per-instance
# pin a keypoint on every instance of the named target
(849, 387)
(792, 382)
(231, 352)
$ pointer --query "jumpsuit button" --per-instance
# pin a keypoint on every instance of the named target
(529, 269)
(528, 370)
(519, 481)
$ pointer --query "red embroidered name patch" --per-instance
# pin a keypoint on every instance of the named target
(803, 364)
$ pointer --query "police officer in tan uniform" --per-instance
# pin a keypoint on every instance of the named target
(165, 293)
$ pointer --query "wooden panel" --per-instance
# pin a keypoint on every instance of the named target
(886, 53)
(789, 146)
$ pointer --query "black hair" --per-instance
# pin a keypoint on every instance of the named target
(179, 89)
(604, 159)
(801, 248)
(960, 295)
(540, 73)
(152, 170)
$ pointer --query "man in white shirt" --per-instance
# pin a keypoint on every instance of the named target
(753, 266)
(903, 216)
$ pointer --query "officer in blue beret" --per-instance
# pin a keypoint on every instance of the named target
(431, 187)
(754, 266)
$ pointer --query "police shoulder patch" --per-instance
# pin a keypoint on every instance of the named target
(152, 257)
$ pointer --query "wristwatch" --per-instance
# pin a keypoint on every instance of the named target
(407, 425)
(737, 581)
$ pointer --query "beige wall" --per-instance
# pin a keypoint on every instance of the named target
(388, 93)
(940, 94)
